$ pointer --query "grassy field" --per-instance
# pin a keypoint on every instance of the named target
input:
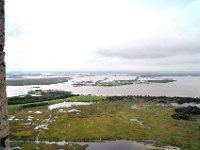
(82, 98)
(85, 98)
(105, 120)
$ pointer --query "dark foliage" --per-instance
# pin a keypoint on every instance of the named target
(42, 96)
(37, 81)
(159, 99)
(185, 113)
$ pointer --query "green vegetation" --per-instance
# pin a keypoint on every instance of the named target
(114, 82)
(131, 81)
(38, 96)
(160, 81)
(159, 99)
(107, 119)
(84, 98)
(186, 113)
(36, 81)
(23, 103)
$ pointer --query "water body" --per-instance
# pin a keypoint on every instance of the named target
(184, 86)
(113, 145)
(119, 145)
(179, 105)
(67, 104)
(185, 105)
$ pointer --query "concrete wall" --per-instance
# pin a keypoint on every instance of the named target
(3, 100)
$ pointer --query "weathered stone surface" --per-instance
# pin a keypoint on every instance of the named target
(4, 129)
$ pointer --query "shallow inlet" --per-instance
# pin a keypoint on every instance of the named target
(67, 104)
(185, 105)
(110, 145)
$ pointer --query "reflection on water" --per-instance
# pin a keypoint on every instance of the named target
(67, 104)
(113, 145)
(119, 145)
(183, 86)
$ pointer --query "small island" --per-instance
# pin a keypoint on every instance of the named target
(36, 81)
(121, 82)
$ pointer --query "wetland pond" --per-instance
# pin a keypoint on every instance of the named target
(110, 145)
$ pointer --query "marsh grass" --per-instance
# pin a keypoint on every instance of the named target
(108, 120)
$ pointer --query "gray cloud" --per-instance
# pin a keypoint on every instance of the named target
(177, 42)
(128, 36)
(153, 48)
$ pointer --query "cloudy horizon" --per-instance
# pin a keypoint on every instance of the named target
(98, 35)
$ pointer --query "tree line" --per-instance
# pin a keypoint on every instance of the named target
(39, 96)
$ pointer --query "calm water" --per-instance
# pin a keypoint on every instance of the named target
(112, 145)
(120, 145)
(184, 86)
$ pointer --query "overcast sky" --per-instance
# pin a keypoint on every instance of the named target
(135, 35)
